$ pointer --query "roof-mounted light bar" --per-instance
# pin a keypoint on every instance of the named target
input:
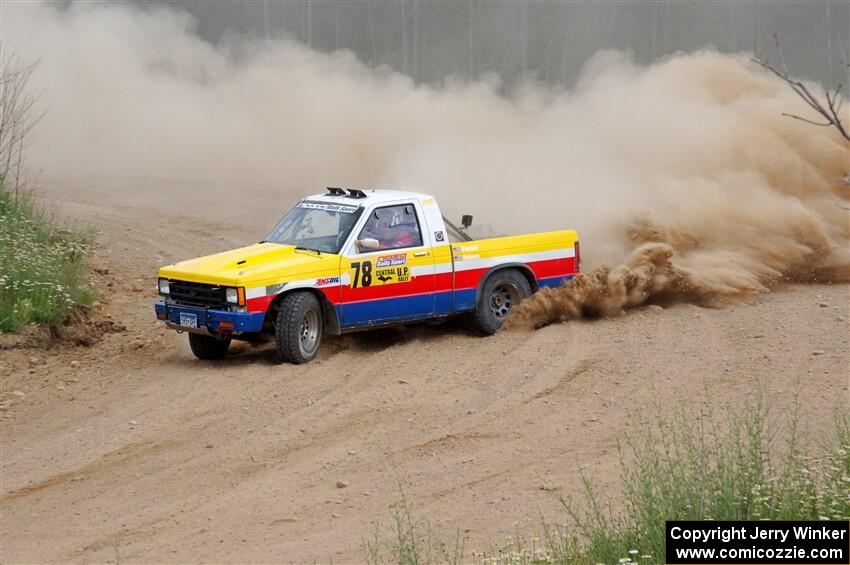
(352, 192)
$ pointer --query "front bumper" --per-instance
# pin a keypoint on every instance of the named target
(218, 321)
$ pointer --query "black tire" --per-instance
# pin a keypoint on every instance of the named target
(208, 347)
(501, 292)
(299, 327)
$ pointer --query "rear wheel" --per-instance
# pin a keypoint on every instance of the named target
(502, 292)
(298, 328)
(208, 347)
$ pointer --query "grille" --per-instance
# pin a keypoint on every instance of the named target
(197, 294)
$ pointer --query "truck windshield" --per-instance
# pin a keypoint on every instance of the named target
(318, 226)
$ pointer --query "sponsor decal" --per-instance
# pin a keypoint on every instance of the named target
(392, 260)
(327, 280)
(465, 248)
(328, 207)
(393, 275)
(439, 236)
(427, 201)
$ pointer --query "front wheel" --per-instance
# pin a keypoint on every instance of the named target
(298, 328)
(208, 347)
(501, 293)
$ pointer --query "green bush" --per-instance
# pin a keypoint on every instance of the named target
(688, 467)
(43, 269)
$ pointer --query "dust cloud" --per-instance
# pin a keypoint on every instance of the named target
(682, 174)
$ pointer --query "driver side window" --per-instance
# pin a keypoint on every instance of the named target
(393, 227)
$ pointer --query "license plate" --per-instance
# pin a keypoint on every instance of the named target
(188, 320)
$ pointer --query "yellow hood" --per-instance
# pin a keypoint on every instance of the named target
(252, 265)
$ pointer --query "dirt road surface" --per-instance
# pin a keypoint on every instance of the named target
(133, 450)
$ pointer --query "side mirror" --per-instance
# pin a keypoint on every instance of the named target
(466, 220)
(367, 243)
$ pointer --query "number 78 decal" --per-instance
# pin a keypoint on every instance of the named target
(366, 267)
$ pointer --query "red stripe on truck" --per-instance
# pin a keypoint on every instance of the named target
(422, 284)
(541, 269)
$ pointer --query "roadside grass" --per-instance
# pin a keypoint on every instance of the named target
(707, 466)
(43, 268)
(413, 541)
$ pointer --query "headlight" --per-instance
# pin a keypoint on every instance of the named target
(163, 286)
(235, 295)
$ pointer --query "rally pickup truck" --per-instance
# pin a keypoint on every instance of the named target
(349, 260)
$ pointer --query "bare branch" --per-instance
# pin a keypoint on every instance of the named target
(831, 113)
(781, 56)
(796, 117)
(18, 116)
